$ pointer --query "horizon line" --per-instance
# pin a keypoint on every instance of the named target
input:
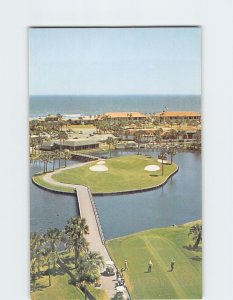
(194, 94)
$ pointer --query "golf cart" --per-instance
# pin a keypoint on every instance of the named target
(121, 293)
(110, 269)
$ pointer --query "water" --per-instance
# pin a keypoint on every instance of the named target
(47, 209)
(89, 105)
(179, 201)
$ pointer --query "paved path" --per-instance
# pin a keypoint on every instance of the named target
(87, 212)
(94, 238)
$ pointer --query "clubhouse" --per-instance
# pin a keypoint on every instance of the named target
(73, 145)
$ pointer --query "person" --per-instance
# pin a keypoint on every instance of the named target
(172, 265)
(150, 265)
(126, 265)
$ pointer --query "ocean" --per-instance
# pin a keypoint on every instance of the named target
(72, 106)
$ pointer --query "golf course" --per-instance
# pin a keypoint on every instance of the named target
(160, 245)
(119, 174)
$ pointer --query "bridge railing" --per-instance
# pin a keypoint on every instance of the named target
(96, 217)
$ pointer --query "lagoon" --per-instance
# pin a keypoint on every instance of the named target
(179, 201)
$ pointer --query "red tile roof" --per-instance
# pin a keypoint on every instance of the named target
(178, 114)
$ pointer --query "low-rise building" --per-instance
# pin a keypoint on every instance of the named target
(72, 145)
(167, 116)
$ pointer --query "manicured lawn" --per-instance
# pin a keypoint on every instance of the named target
(60, 289)
(160, 246)
(124, 173)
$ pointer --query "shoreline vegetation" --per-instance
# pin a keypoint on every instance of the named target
(125, 174)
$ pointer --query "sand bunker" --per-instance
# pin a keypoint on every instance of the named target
(102, 162)
(152, 168)
(165, 162)
(98, 168)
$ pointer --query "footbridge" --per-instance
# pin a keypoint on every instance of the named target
(83, 157)
(96, 240)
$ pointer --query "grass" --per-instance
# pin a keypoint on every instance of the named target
(59, 290)
(98, 293)
(41, 182)
(125, 173)
(160, 246)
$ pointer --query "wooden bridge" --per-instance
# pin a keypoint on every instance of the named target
(83, 157)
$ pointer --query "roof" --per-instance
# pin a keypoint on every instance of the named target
(124, 115)
(74, 143)
(178, 114)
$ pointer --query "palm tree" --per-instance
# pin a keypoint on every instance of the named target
(196, 232)
(66, 155)
(53, 239)
(88, 269)
(36, 250)
(162, 155)
(110, 141)
(61, 135)
(173, 135)
(75, 230)
(138, 138)
(172, 151)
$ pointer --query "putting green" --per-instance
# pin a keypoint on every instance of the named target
(160, 246)
(124, 174)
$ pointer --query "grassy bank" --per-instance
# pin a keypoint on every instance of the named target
(59, 290)
(160, 246)
(124, 173)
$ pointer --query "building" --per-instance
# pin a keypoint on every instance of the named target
(125, 116)
(73, 145)
(174, 116)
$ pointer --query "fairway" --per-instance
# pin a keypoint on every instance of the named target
(124, 174)
(160, 246)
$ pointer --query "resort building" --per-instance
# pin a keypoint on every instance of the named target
(73, 145)
(52, 118)
(125, 116)
(174, 116)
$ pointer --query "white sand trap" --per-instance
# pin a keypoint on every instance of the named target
(165, 162)
(98, 168)
(102, 162)
(152, 168)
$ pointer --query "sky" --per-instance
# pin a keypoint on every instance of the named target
(114, 61)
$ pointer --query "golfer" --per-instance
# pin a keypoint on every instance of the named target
(126, 265)
(150, 265)
(172, 265)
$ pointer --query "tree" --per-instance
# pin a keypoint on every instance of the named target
(36, 251)
(171, 150)
(61, 135)
(162, 155)
(75, 230)
(196, 232)
(88, 269)
(53, 239)
(138, 138)
(110, 141)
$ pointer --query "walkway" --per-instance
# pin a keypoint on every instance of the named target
(94, 238)
(87, 212)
